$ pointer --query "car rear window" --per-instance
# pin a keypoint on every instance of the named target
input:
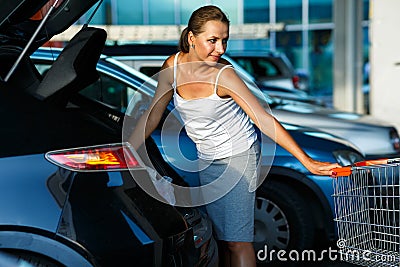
(259, 67)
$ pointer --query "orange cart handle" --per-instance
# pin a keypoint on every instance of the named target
(372, 162)
(343, 171)
(347, 170)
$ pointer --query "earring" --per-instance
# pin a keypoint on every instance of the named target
(192, 46)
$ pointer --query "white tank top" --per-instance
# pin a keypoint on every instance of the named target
(218, 126)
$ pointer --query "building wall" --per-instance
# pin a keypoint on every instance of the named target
(385, 61)
(307, 39)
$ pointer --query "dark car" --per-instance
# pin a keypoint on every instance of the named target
(68, 192)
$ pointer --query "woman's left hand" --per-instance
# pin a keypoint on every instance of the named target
(321, 168)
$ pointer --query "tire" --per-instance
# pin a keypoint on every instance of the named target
(34, 259)
(283, 221)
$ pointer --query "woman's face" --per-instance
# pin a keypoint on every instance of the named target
(211, 44)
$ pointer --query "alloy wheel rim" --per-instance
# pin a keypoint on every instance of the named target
(271, 227)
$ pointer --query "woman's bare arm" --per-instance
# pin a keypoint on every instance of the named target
(152, 116)
(231, 85)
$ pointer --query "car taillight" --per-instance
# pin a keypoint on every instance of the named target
(109, 157)
(395, 139)
(296, 81)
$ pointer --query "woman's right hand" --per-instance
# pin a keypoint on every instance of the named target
(321, 168)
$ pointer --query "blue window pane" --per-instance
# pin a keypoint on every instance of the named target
(289, 11)
(230, 8)
(321, 11)
(256, 11)
(290, 43)
(98, 18)
(161, 13)
(366, 10)
(321, 61)
(127, 15)
(187, 7)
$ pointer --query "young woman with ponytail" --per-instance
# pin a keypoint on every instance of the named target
(219, 112)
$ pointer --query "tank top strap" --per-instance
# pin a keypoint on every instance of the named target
(219, 73)
(175, 67)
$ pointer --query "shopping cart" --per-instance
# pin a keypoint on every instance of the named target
(366, 199)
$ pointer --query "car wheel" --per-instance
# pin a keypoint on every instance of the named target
(34, 259)
(282, 219)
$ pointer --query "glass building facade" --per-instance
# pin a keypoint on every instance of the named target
(307, 39)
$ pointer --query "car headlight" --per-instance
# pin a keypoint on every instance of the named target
(347, 157)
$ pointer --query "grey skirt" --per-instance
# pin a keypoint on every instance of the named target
(232, 214)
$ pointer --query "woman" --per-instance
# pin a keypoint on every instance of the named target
(219, 111)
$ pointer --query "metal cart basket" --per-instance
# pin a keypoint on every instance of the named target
(366, 199)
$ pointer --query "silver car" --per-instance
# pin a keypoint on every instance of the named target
(270, 68)
(373, 138)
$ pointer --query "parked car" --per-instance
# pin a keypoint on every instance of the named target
(148, 58)
(67, 192)
(270, 68)
(281, 222)
(374, 138)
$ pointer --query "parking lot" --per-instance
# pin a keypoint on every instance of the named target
(79, 186)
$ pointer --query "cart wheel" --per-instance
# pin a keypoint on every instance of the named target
(282, 219)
